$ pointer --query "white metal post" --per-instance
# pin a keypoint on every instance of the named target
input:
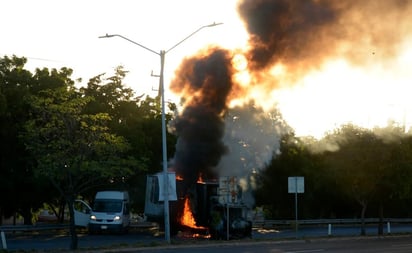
(3, 240)
(227, 223)
(164, 149)
(296, 206)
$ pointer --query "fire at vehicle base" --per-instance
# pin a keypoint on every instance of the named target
(209, 209)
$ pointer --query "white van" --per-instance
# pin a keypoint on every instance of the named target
(110, 212)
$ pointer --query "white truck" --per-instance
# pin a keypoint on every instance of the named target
(110, 212)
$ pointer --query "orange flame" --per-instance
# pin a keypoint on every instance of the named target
(200, 179)
(187, 218)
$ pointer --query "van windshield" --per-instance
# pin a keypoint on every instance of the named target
(107, 206)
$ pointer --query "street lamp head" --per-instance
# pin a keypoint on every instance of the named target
(214, 24)
(106, 36)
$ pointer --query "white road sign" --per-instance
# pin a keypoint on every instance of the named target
(296, 184)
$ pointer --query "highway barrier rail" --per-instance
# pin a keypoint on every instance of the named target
(256, 223)
(25, 228)
(274, 223)
(53, 227)
(265, 224)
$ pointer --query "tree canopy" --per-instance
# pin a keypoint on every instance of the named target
(350, 165)
(77, 140)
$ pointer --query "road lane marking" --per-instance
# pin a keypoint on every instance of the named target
(305, 251)
(405, 245)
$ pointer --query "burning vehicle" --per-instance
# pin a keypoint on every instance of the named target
(209, 209)
(207, 203)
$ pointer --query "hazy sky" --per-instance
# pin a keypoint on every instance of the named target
(65, 33)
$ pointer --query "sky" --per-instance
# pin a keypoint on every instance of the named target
(65, 33)
(365, 78)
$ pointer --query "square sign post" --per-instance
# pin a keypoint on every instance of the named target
(296, 185)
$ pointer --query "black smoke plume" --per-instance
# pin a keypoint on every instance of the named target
(283, 30)
(303, 34)
(205, 82)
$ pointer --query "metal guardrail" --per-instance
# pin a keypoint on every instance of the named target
(26, 228)
(40, 227)
(256, 223)
(272, 223)
(44, 227)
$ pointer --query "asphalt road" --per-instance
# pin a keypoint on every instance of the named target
(55, 241)
(399, 244)
(61, 240)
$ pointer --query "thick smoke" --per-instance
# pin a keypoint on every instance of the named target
(207, 81)
(283, 31)
(252, 136)
(300, 35)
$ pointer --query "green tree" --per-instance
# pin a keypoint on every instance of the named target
(396, 180)
(16, 167)
(361, 163)
(135, 118)
(292, 159)
(74, 150)
(400, 177)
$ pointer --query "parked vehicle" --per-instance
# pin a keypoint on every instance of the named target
(46, 216)
(110, 212)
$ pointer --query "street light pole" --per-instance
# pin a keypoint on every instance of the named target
(162, 55)
(164, 150)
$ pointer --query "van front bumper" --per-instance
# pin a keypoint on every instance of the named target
(106, 227)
